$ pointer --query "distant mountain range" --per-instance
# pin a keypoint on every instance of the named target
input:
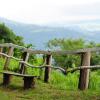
(40, 35)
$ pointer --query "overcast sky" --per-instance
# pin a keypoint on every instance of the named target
(50, 11)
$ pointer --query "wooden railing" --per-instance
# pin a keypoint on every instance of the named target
(84, 68)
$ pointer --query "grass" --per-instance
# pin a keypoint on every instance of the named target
(64, 82)
(60, 87)
(44, 91)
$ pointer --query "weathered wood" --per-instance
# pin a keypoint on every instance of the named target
(44, 59)
(29, 82)
(58, 52)
(25, 57)
(82, 67)
(6, 45)
(10, 53)
(17, 74)
(1, 50)
(12, 45)
(41, 69)
(47, 68)
(84, 73)
(6, 79)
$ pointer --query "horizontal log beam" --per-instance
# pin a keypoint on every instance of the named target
(82, 67)
(3, 54)
(69, 70)
(12, 45)
(58, 52)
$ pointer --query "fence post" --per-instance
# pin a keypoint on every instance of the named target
(84, 73)
(1, 50)
(47, 68)
(10, 53)
(25, 57)
(41, 69)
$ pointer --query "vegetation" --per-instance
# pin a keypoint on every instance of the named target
(67, 61)
(8, 36)
(60, 87)
(44, 91)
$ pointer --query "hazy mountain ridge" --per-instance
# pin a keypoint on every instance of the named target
(39, 35)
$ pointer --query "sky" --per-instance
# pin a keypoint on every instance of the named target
(50, 11)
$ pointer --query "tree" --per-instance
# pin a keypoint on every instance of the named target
(8, 36)
(67, 61)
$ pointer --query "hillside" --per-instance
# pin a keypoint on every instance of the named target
(44, 92)
(39, 35)
(59, 87)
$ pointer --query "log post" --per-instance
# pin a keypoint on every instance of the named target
(41, 69)
(44, 59)
(47, 68)
(1, 50)
(10, 53)
(25, 57)
(6, 79)
(29, 82)
(84, 73)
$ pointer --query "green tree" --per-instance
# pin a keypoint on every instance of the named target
(8, 36)
(67, 61)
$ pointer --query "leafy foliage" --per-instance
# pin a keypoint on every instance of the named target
(8, 36)
(67, 61)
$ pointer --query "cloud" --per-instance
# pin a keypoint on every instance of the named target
(86, 9)
(49, 11)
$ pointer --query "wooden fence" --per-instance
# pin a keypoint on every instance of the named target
(84, 68)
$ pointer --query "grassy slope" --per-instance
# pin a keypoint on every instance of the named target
(60, 87)
(44, 91)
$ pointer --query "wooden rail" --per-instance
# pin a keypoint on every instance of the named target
(84, 68)
(58, 52)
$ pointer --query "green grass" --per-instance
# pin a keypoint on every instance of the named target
(64, 82)
(60, 87)
(44, 91)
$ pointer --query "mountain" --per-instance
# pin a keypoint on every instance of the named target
(40, 35)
